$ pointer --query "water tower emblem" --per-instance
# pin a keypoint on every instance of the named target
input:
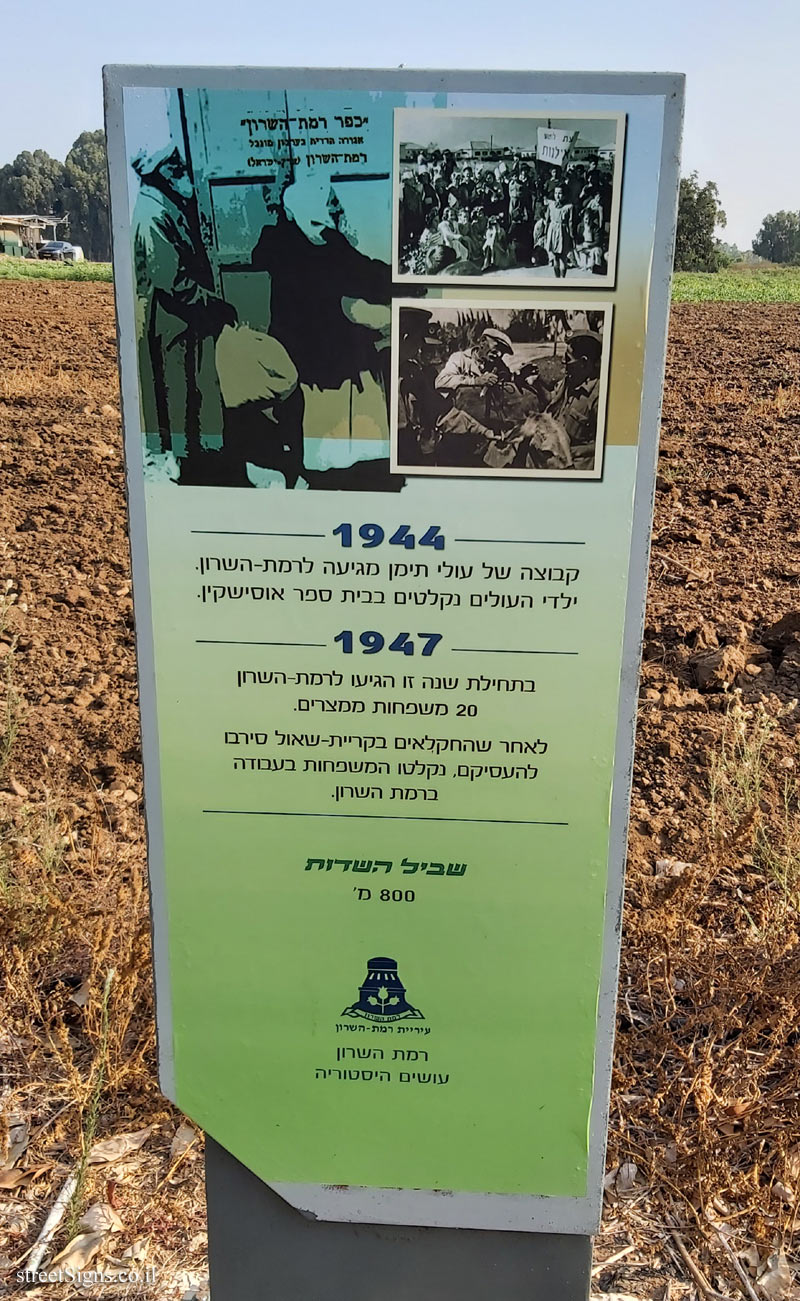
(382, 997)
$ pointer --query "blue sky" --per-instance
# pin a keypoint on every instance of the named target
(740, 57)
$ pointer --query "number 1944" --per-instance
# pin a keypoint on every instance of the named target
(372, 535)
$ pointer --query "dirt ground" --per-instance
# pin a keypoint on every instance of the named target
(704, 1144)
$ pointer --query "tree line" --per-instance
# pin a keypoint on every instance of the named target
(76, 189)
(700, 215)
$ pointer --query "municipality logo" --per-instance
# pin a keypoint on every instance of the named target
(382, 997)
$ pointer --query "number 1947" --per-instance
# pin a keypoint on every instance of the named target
(372, 642)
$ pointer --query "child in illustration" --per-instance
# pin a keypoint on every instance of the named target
(496, 254)
(559, 231)
(591, 235)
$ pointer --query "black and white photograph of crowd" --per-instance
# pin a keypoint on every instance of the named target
(491, 390)
(506, 200)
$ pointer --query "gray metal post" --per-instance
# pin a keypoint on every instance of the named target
(262, 1249)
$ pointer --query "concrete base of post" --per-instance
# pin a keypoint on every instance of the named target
(262, 1249)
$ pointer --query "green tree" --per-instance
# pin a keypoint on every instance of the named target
(732, 252)
(76, 189)
(699, 215)
(33, 183)
(86, 195)
(779, 238)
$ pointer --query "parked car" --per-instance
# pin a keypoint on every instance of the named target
(59, 250)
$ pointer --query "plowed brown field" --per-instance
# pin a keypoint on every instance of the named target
(704, 1149)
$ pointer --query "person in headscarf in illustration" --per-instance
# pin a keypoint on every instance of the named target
(322, 289)
(179, 312)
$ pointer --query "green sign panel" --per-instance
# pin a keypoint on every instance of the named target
(390, 397)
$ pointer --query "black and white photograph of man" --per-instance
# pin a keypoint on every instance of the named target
(500, 390)
(506, 200)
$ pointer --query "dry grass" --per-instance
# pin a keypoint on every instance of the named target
(78, 1044)
(72, 911)
(753, 797)
(10, 699)
(706, 1099)
(51, 381)
(784, 400)
(77, 1050)
(739, 766)
(78, 1040)
(10, 711)
(777, 845)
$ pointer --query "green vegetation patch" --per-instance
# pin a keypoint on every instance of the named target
(28, 269)
(735, 285)
(738, 285)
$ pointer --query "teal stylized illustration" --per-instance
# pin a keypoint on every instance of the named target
(262, 256)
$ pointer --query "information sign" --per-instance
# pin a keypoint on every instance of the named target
(391, 378)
